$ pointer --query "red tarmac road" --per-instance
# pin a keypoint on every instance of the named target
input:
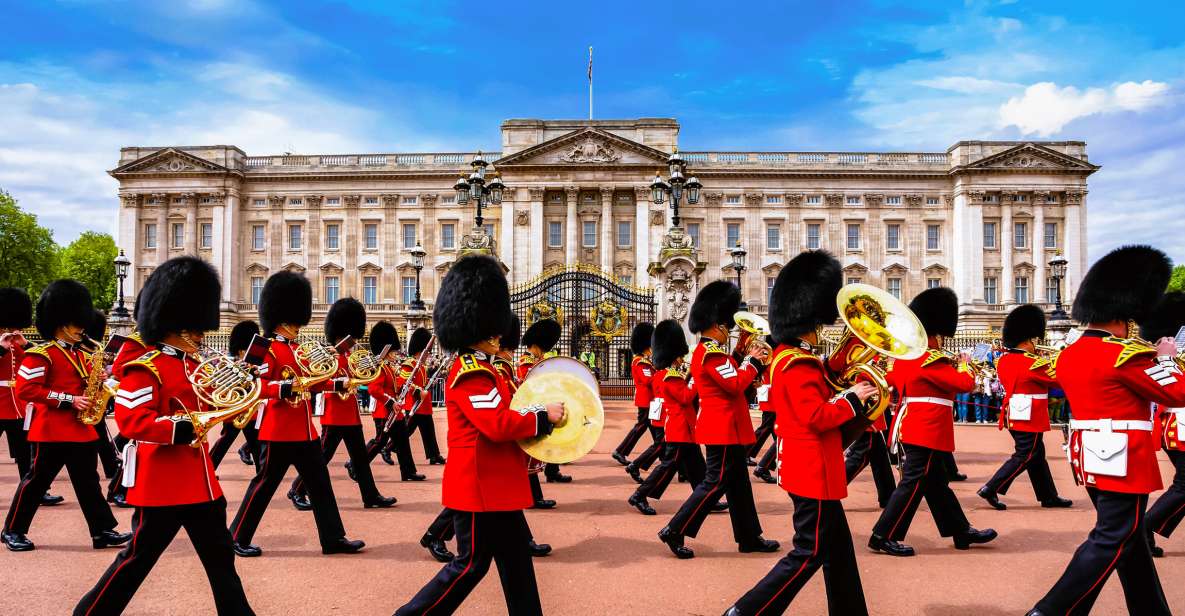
(607, 559)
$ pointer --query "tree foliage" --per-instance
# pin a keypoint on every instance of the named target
(28, 254)
(88, 260)
(1177, 282)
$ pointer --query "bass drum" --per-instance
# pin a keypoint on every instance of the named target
(563, 379)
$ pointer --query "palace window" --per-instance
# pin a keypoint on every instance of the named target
(1051, 198)
(625, 233)
(893, 237)
(370, 233)
(259, 202)
(769, 289)
(991, 198)
(589, 234)
(448, 236)
(933, 237)
(931, 200)
(693, 233)
(256, 288)
(333, 200)
(257, 237)
(733, 199)
(1021, 289)
(178, 235)
(448, 199)
(331, 289)
(853, 280)
(732, 234)
(370, 289)
(296, 201)
(773, 237)
(371, 201)
(853, 200)
(1050, 290)
(150, 235)
(933, 283)
(1020, 198)
(1051, 235)
(407, 289)
(332, 239)
(989, 290)
(853, 237)
(989, 235)
(555, 234)
(409, 236)
(626, 279)
(773, 199)
(1020, 235)
(488, 228)
(893, 286)
(812, 236)
(294, 237)
(207, 234)
(410, 200)
(814, 200)
(896, 200)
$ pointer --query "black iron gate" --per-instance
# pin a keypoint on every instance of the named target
(597, 313)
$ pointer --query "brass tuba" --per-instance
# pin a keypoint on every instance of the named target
(230, 388)
(97, 389)
(318, 362)
(757, 327)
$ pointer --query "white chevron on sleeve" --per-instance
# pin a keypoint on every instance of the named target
(31, 373)
(491, 400)
(726, 370)
(133, 399)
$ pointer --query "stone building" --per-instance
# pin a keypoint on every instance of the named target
(982, 217)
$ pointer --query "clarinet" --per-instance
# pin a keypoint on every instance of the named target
(436, 374)
(406, 387)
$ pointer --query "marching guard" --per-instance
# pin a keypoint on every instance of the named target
(390, 432)
(241, 336)
(641, 372)
(1027, 379)
(471, 315)
(171, 483)
(810, 415)
(286, 431)
(925, 430)
(640, 341)
(412, 377)
(540, 338)
(723, 426)
(53, 377)
(419, 407)
(1110, 377)
(765, 430)
(1169, 509)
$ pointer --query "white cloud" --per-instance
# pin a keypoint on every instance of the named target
(1044, 108)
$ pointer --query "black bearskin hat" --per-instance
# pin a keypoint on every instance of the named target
(182, 294)
(543, 333)
(640, 338)
(1023, 323)
(668, 344)
(938, 310)
(1166, 318)
(803, 296)
(97, 328)
(287, 297)
(715, 303)
(346, 317)
(241, 335)
(473, 303)
(63, 302)
(1125, 284)
(16, 309)
(513, 334)
(418, 340)
(381, 335)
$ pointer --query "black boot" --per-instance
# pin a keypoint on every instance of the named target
(343, 546)
(413, 477)
(16, 542)
(1157, 551)
(1057, 502)
(300, 501)
(247, 551)
(639, 503)
(49, 500)
(622, 460)
(760, 545)
(971, 536)
(764, 475)
(538, 550)
(558, 477)
(675, 542)
(992, 498)
(436, 548)
(380, 502)
(386, 456)
(720, 506)
(245, 455)
(544, 503)
(634, 472)
(877, 543)
(350, 471)
(110, 538)
(434, 460)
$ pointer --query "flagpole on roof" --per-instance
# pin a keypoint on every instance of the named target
(590, 84)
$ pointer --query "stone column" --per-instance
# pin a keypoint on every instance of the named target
(506, 243)
(189, 202)
(608, 243)
(538, 233)
(966, 244)
(1075, 239)
(1008, 239)
(389, 279)
(641, 236)
(1037, 296)
(573, 222)
(128, 238)
(221, 247)
(163, 233)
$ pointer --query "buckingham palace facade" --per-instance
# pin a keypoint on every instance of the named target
(983, 217)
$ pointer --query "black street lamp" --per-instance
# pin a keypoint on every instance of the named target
(1057, 271)
(122, 263)
(483, 192)
(417, 261)
(738, 266)
(674, 186)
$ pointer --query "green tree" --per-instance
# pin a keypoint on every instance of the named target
(28, 254)
(88, 260)
(1177, 282)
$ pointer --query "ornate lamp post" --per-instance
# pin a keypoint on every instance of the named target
(417, 261)
(1057, 271)
(738, 265)
(483, 192)
(122, 263)
(675, 186)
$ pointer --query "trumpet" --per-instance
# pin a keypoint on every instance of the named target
(319, 363)
(758, 328)
(228, 386)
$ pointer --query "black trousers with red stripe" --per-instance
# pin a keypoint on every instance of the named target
(727, 473)
(923, 474)
(821, 539)
(1028, 456)
(18, 444)
(483, 538)
(442, 527)
(427, 430)
(331, 437)
(1116, 543)
(1169, 509)
(108, 452)
(81, 462)
(769, 461)
(869, 449)
(227, 438)
(647, 458)
(685, 457)
(635, 434)
(154, 528)
(394, 439)
(764, 430)
(278, 456)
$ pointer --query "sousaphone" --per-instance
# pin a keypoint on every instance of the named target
(563, 379)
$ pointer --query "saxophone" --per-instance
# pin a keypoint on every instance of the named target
(97, 389)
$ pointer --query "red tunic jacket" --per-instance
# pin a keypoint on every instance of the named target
(11, 407)
(642, 372)
(505, 370)
(525, 363)
(340, 409)
(810, 414)
(154, 388)
(486, 470)
(285, 419)
(1113, 378)
(48, 372)
(1169, 422)
(928, 386)
(417, 401)
(132, 348)
(677, 397)
(720, 384)
(381, 390)
(1028, 375)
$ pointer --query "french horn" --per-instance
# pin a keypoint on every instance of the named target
(228, 387)
(318, 361)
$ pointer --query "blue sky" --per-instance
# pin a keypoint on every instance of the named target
(80, 79)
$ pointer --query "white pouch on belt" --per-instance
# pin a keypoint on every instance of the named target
(28, 416)
(655, 413)
(1104, 452)
(763, 393)
(1020, 408)
(319, 405)
(129, 464)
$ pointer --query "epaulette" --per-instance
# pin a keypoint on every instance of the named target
(526, 359)
(936, 355)
(470, 365)
(674, 373)
(1039, 362)
(1131, 348)
(41, 349)
(642, 360)
(135, 337)
(790, 355)
(711, 346)
(145, 360)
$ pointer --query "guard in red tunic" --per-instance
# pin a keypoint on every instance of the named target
(676, 397)
(340, 421)
(171, 483)
(641, 371)
(241, 336)
(485, 478)
(1027, 379)
(383, 397)
(420, 408)
(133, 348)
(924, 429)
(16, 313)
(810, 445)
(1169, 509)
(765, 430)
(411, 379)
(723, 426)
(644, 395)
(1110, 379)
(540, 338)
(286, 431)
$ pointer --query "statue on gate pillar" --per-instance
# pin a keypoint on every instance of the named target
(677, 273)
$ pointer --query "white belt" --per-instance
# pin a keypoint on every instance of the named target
(1030, 396)
(1113, 424)
(941, 401)
(5, 383)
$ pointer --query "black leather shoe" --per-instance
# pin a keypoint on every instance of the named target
(247, 551)
(1034, 612)
(437, 549)
(121, 500)
(49, 500)
(971, 536)
(386, 456)
(435, 460)
(732, 611)
(888, 546)
(16, 542)
(544, 503)
(762, 545)
(413, 477)
(110, 538)
(675, 542)
(633, 471)
(764, 475)
(343, 546)
(640, 504)
(350, 471)
(1057, 502)
(245, 456)
(958, 477)
(751, 462)
(1157, 551)
(538, 550)
(382, 502)
(558, 478)
(300, 501)
(992, 498)
(622, 460)
(720, 506)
